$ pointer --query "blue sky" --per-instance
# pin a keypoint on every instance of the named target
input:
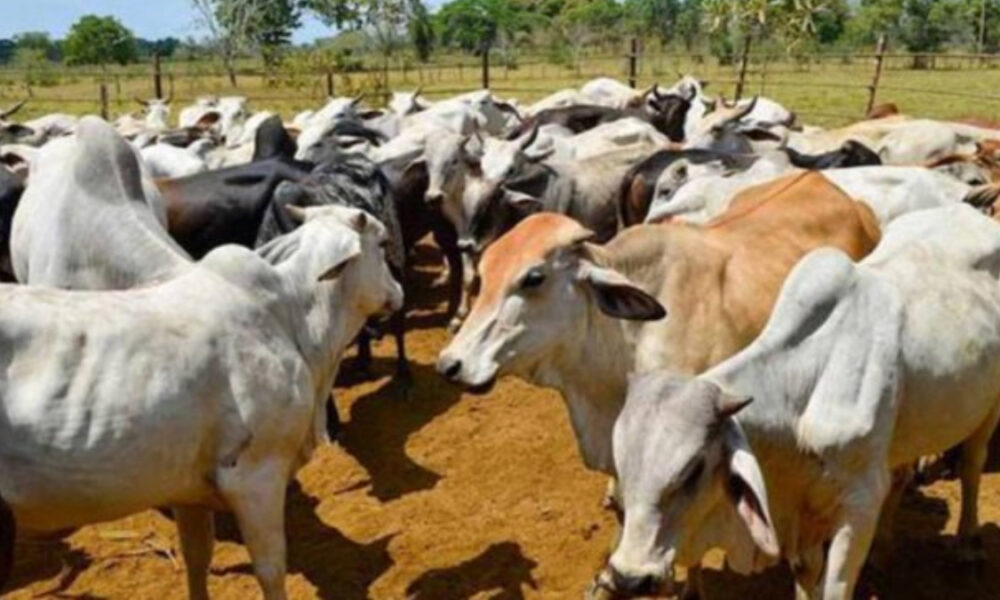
(146, 18)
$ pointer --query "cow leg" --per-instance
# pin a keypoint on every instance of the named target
(881, 551)
(808, 570)
(8, 533)
(693, 585)
(256, 495)
(364, 360)
(196, 527)
(974, 452)
(850, 546)
(398, 325)
(333, 423)
(469, 288)
(447, 240)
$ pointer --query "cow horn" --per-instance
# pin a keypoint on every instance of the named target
(141, 101)
(417, 92)
(170, 97)
(357, 99)
(747, 109)
(727, 405)
(530, 138)
(297, 213)
(360, 221)
(13, 109)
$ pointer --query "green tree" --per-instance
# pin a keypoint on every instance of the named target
(97, 40)
(585, 23)
(689, 25)
(653, 18)
(38, 41)
(421, 30)
(479, 25)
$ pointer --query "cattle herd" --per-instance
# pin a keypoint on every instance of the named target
(759, 327)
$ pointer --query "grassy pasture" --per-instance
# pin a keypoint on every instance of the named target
(828, 91)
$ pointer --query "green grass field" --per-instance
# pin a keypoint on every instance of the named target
(826, 92)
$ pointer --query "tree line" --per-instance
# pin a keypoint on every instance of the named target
(564, 29)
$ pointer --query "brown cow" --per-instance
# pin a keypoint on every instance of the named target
(881, 111)
(547, 295)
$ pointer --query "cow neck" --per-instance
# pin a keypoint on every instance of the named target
(592, 377)
(323, 322)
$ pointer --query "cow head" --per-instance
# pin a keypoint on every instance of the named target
(688, 482)
(976, 169)
(725, 130)
(448, 160)
(11, 133)
(157, 112)
(407, 103)
(692, 165)
(344, 245)
(540, 282)
(669, 113)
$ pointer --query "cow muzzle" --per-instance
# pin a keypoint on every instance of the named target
(435, 198)
(455, 370)
(610, 584)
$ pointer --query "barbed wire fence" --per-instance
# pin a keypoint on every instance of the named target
(110, 91)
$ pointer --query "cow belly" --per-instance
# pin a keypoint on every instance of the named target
(951, 346)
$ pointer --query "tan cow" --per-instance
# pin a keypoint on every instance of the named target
(547, 296)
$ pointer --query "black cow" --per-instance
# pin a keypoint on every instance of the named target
(11, 188)
(635, 194)
(851, 154)
(227, 206)
(668, 115)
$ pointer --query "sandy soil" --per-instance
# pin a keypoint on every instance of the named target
(438, 495)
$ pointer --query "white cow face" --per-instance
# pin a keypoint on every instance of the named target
(539, 292)
(357, 260)
(688, 482)
(681, 172)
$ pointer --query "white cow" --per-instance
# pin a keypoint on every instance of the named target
(888, 191)
(92, 218)
(204, 392)
(167, 161)
(862, 368)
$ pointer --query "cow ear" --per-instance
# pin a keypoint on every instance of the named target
(411, 169)
(20, 131)
(296, 213)
(208, 120)
(617, 296)
(336, 270)
(747, 491)
(537, 157)
(523, 202)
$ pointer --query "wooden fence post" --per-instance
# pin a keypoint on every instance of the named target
(633, 62)
(329, 82)
(486, 68)
(157, 76)
(879, 58)
(104, 100)
(744, 59)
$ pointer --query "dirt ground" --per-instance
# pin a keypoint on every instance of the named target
(440, 495)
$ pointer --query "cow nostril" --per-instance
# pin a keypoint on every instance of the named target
(450, 368)
(641, 585)
(434, 198)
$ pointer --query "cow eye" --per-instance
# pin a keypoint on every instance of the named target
(532, 279)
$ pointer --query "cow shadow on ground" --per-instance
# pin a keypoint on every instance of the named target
(380, 424)
(501, 568)
(924, 564)
(336, 565)
(39, 560)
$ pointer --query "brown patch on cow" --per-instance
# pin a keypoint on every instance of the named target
(881, 111)
(986, 158)
(530, 241)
